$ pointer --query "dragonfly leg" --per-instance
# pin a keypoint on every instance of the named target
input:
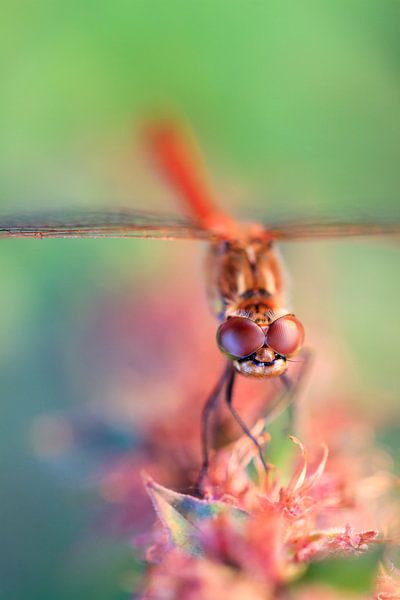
(208, 409)
(238, 418)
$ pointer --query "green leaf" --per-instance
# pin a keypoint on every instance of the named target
(184, 516)
(352, 573)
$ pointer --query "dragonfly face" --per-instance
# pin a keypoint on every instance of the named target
(260, 349)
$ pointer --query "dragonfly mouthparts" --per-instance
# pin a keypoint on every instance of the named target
(252, 366)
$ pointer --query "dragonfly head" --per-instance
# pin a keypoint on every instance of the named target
(260, 350)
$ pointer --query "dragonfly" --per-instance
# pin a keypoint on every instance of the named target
(258, 333)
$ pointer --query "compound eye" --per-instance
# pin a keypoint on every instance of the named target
(239, 337)
(285, 335)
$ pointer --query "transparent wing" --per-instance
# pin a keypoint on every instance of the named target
(137, 224)
(100, 224)
(326, 228)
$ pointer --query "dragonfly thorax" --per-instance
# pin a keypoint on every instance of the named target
(245, 278)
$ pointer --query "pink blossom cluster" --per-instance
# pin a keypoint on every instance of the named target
(254, 533)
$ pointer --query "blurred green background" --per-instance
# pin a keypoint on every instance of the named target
(297, 108)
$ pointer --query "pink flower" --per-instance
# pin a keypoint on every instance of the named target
(253, 524)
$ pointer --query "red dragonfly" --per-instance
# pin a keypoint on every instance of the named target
(258, 333)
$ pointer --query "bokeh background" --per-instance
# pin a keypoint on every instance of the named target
(297, 108)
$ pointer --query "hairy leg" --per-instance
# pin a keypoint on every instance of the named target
(238, 418)
(208, 410)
